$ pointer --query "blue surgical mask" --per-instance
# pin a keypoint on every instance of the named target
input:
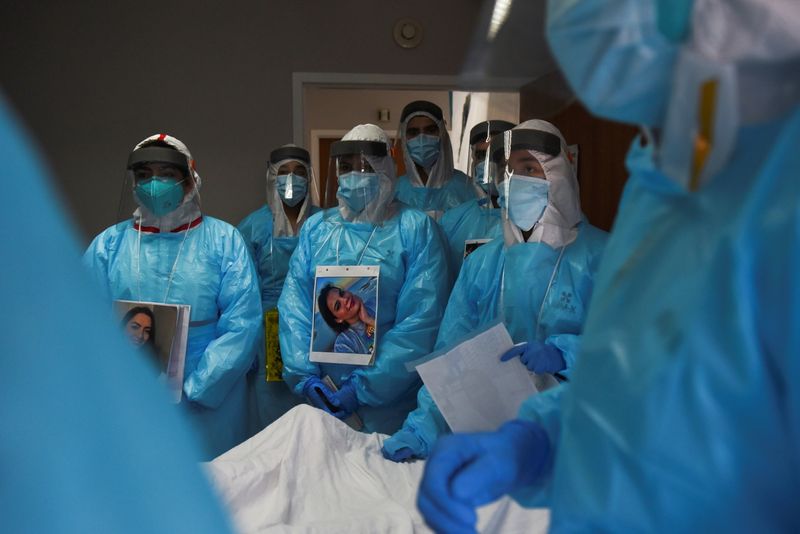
(357, 189)
(292, 188)
(159, 195)
(527, 200)
(616, 55)
(424, 150)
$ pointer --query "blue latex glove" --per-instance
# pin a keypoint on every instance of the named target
(320, 395)
(345, 399)
(403, 445)
(465, 471)
(538, 357)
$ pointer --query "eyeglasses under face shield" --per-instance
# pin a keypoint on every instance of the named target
(480, 137)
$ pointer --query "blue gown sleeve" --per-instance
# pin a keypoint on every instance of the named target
(545, 409)
(95, 259)
(249, 234)
(568, 344)
(293, 313)
(420, 305)
(461, 317)
(426, 422)
(228, 357)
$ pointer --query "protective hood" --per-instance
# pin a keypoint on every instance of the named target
(442, 170)
(189, 209)
(739, 66)
(281, 227)
(380, 208)
(558, 225)
(699, 69)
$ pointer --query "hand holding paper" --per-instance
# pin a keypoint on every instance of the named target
(538, 357)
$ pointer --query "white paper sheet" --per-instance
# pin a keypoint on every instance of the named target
(473, 389)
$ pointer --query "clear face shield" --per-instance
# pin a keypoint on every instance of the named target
(478, 162)
(479, 167)
(354, 184)
(158, 182)
(519, 176)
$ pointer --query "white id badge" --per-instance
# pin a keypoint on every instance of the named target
(160, 332)
(344, 325)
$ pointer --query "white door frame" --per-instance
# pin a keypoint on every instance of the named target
(387, 81)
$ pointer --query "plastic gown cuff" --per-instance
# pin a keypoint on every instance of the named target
(404, 445)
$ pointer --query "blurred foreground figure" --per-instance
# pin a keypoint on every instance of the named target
(90, 442)
(682, 413)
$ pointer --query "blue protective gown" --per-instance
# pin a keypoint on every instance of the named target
(454, 192)
(270, 254)
(270, 400)
(683, 410)
(216, 277)
(411, 299)
(528, 310)
(470, 220)
(90, 442)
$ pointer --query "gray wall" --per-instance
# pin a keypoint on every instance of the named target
(93, 78)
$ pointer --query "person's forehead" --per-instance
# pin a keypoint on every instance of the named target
(522, 155)
(420, 121)
(157, 164)
(292, 164)
(141, 317)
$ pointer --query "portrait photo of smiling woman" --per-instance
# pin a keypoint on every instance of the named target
(345, 315)
(351, 317)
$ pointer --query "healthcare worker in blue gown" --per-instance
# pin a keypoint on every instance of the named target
(271, 235)
(90, 442)
(366, 228)
(430, 184)
(537, 278)
(476, 218)
(683, 413)
(170, 253)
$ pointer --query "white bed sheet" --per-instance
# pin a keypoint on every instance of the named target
(308, 472)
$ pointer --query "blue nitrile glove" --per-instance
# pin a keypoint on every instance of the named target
(465, 471)
(345, 399)
(403, 445)
(320, 395)
(538, 357)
